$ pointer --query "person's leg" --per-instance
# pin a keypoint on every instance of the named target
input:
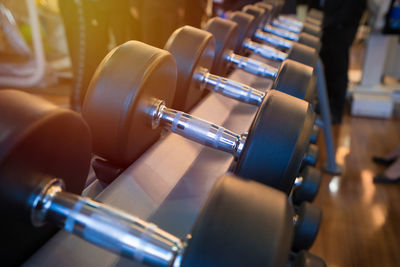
(390, 175)
(335, 58)
(389, 158)
(336, 43)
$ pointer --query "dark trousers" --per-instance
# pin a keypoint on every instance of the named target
(336, 42)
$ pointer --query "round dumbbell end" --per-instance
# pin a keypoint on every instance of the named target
(315, 134)
(259, 16)
(303, 54)
(116, 106)
(38, 141)
(242, 224)
(244, 22)
(312, 29)
(311, 157)
(309, 187)
(307, 226)
(277, 141)
(306, 259)
(310, 40)
(193, 49)
(295, 79)
(225, 34)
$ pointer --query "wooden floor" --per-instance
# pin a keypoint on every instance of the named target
(361, 220)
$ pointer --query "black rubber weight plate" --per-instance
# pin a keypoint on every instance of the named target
(258, 14)
(267, 9)
(303, 54)
(128, 79)
(36, 138)
(309, 188)
(242, 224)
(225, 33)
(310, 40)
(277, 141)
(312, 29)
(192, 49)
(295, 79)
(244, 22)
(307, 227)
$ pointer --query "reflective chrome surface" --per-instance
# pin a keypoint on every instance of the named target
(273, 39)
(198, 130)
(106, 227)
(286, 26)
(251, 65)
(264, 50)
(298, 181)
(281, 32)
(290, 20)
(230, 88)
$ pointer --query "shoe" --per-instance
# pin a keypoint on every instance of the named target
(383, 161)
(382, 179)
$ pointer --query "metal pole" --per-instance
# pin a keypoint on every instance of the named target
(330, 165)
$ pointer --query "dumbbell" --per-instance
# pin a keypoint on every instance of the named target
(247, 26)
(292, 77)
(281, 29)
(277, 36)
(311, 156)
(305, 259)
(306, 185)
(126, 107)
(194, 51)
(311, 25)
(192, 47)
(314, 16)
(46, 149)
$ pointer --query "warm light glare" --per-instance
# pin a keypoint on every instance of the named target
(334, 185)
(343, 150)
(378, 214)
(368, 186)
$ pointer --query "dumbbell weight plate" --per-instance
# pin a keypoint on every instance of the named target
(252, 212)
(258, 14)
(295, 79)
(276, 142)
(303, 54)
(310, 40)
(226, 34)
(245, 23)
(309, 187)
(312, 29)
(306, 259)
(118, 97)
(307, 227)
(192, 54)
(37, 138)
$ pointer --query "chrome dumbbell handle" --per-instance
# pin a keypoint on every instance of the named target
(251, 65)
(195, 129)
(230, 88)
(273, 39)
(290, 20)
(264, 50)
(286, 26)
(106, 227)
(281, 32)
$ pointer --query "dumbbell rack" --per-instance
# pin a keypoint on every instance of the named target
(167, 185)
